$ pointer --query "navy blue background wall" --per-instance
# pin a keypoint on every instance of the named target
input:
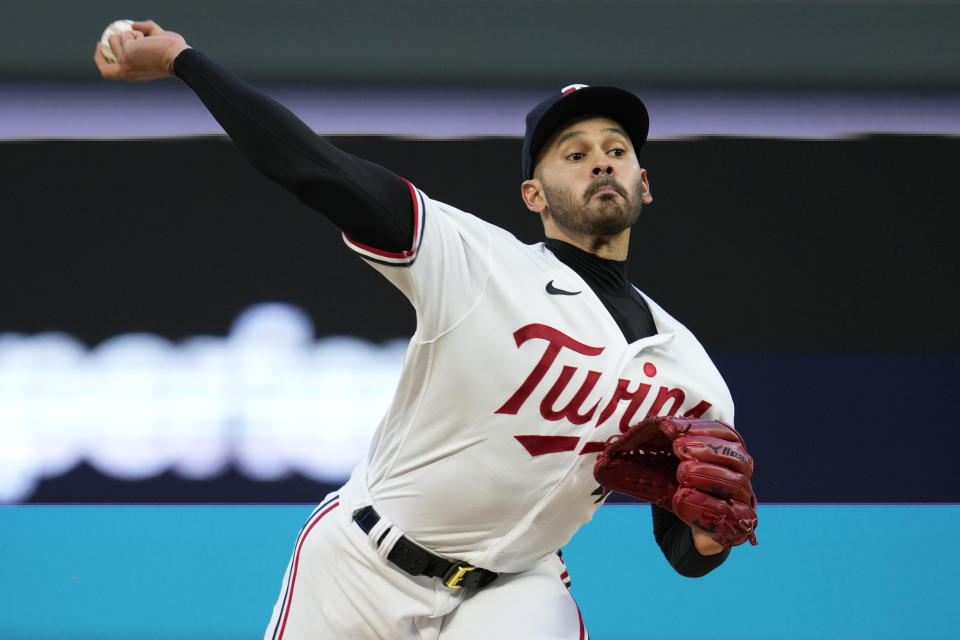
(821, 275)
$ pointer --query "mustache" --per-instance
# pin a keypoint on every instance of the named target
(602, 183)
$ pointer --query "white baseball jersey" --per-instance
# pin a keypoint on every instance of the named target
(513, 381)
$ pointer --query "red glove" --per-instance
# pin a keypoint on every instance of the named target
(698, 469)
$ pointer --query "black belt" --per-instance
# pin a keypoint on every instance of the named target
(417, 561)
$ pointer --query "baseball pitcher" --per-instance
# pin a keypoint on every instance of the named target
(538, 379)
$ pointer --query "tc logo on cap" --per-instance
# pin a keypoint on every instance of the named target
(571, 88)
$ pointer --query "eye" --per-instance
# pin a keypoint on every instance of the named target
(576, 155)
(618, 152)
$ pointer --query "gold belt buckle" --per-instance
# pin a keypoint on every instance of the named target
(456, 573)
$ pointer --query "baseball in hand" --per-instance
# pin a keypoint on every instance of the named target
(116, 27)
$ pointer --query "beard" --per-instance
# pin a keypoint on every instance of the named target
(604, 216)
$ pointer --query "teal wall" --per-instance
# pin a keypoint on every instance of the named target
(186, 572)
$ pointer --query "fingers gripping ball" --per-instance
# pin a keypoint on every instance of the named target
(114, 28)
(698, 469)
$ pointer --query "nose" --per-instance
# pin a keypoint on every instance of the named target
(603, 169)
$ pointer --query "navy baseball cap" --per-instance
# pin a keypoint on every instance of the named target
(582, 100)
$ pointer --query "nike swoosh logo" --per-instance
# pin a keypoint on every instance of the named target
(552, 290)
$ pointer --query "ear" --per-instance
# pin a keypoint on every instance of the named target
(532, 193)
(645, 196)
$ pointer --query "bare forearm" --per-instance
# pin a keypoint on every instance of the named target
(706, 545)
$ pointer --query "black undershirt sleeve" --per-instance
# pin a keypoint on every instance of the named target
(369, 203)
(675, 540)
